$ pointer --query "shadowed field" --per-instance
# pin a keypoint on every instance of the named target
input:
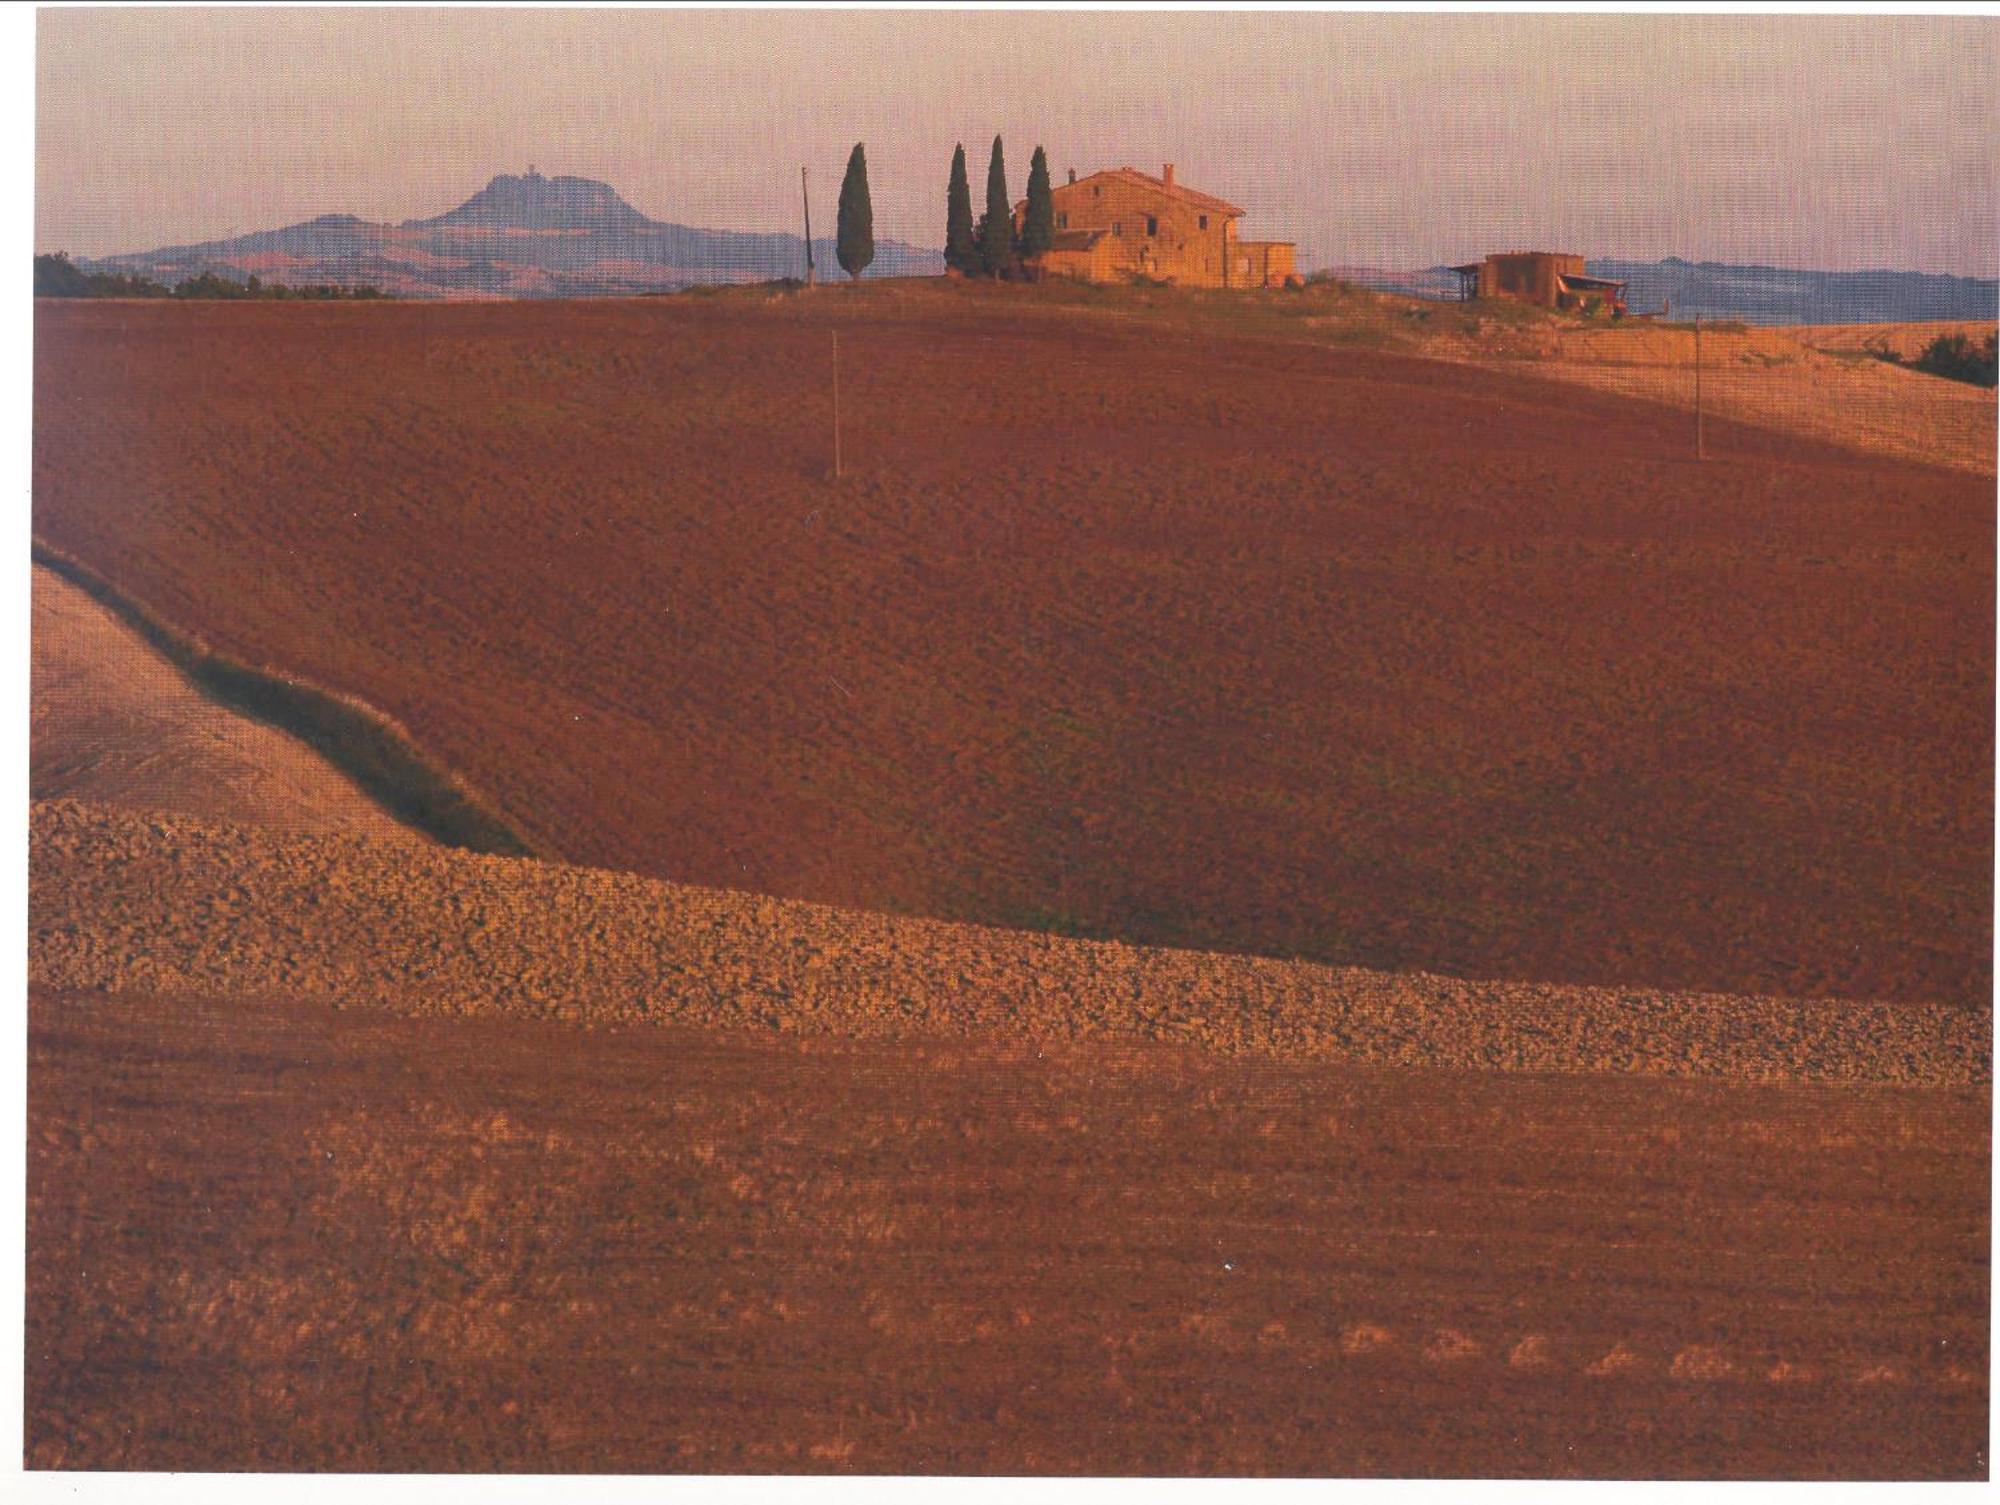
(1181, 633)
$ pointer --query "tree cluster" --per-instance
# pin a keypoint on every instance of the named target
(1955, 356)
(995, 246)
(56, 276)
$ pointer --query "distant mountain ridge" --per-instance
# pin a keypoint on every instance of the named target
(1752, 294)
(525, 236)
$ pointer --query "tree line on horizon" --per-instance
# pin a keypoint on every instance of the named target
(56, 276)
(987, 247)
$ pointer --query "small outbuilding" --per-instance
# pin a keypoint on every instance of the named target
(1548, 279)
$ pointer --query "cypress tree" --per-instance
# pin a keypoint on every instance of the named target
(1038, 229)
(854, 233)
(961, 251)
(996, 231)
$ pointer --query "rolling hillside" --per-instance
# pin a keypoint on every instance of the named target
(351, 1151)
(1199, 628)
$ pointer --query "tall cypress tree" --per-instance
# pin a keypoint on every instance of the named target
(854, 234)
(961, 251)
(1038, 229)
(996, 231)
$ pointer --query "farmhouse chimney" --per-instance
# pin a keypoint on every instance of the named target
(1167, 175)
(1072, 175)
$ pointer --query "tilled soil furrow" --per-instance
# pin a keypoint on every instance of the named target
(272, 1234)
(174, 905)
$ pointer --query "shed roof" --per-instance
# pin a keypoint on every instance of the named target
(1075, 240)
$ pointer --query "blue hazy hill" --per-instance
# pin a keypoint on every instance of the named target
(525, 236)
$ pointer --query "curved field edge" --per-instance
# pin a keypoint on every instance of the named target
(111, 719)
(366, 744)
(172, 906)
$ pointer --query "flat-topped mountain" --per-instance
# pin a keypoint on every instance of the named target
(526, 236)
(533, 202)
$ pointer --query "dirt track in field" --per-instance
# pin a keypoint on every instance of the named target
(1172, 633)
(270, 1235)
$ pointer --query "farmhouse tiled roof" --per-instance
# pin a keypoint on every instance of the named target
(1176, 190)
(1139, 179)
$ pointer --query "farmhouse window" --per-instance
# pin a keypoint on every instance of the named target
(1062, 221)
(1118, 227)
(1204, 222)
(1152, 225)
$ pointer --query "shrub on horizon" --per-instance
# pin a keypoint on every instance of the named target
(1956, 358)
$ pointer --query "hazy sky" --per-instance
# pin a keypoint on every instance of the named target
(1397, 140)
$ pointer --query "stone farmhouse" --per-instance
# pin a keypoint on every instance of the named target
(1121, 224)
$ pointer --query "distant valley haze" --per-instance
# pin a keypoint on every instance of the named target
(1840, 143)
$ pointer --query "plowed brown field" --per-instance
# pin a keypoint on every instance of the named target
(1147, 630)
(348, 1152)
(265, 1234)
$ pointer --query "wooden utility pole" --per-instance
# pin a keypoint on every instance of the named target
(1700, 444)
(836, 404)
(805, 198)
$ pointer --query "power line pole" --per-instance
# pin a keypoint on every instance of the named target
(806, 199)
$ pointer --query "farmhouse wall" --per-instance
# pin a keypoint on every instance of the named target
(1155, 228)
